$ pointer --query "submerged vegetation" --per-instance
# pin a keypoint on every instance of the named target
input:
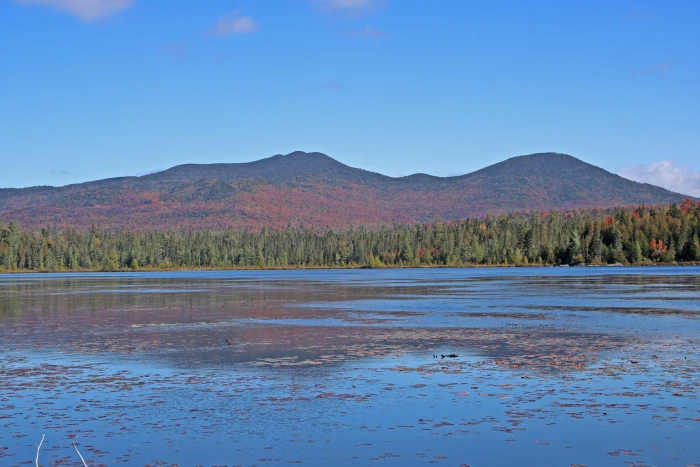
(666, 234)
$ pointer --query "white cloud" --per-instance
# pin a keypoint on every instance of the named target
(367, 33)
(665, 174)
(353, 7)
(348, 4)
(86, 10)
(234, 23)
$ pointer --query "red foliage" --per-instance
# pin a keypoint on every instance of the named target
(686, 205)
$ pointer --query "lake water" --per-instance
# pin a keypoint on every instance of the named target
(554, 367)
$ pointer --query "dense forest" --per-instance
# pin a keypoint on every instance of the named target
(662, 234)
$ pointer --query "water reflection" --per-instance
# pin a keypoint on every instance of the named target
(234, 367)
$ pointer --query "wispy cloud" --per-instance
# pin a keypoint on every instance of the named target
(85, 10)
(177, 49)
(639, 15)
(654, 70)
(659, 68)
(666, 174)
(351, 7)
(233, 24)
(367, 33)
(333, 86)
(220, 57)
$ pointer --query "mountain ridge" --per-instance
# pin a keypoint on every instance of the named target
(315, 189)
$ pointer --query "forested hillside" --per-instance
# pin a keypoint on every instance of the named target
(640, 236)
(314, 190)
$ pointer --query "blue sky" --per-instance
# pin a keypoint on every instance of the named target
(101, 88)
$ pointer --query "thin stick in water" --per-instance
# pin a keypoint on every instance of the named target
(81, 457)
(36, 461)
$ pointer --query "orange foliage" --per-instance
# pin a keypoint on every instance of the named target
(657, 248)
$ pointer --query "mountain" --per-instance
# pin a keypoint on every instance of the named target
(313, 189)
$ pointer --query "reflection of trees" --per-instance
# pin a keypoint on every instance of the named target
(10, 308)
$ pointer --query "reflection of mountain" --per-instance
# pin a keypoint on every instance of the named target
(313, 189)
(339, 321)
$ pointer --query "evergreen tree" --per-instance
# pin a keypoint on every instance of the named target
(636, 255)
(616, 235)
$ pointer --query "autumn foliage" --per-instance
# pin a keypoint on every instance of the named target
(644, 235)
(313, 190)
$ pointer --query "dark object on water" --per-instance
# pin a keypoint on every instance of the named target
(450, 355)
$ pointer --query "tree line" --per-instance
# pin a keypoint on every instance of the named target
(645, 235)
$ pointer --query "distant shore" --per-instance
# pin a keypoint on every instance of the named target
(346, 267)
(663, 235)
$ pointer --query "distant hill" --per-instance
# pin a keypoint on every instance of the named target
(313, 189)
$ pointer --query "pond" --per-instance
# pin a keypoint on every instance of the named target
(402, 367)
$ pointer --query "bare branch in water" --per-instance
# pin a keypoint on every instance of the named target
(79, 455)
(36, 461)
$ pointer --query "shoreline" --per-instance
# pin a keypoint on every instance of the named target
(354, 267)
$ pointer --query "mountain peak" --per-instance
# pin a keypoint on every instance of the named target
(542, 164)
(311, 188)
(306, 155)
(540, 157)
(301, 157)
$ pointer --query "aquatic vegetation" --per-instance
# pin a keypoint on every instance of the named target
(284, 369)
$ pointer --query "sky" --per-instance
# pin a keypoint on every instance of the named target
(91, 89)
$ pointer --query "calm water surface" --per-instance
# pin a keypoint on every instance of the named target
(555, 367)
